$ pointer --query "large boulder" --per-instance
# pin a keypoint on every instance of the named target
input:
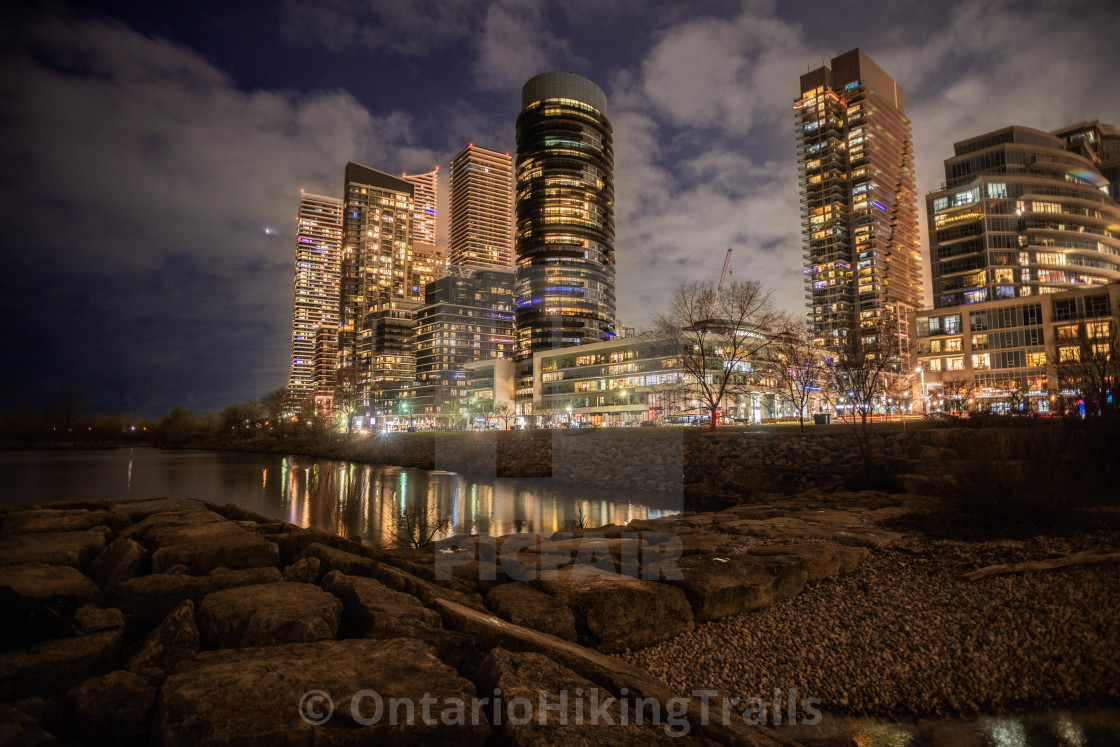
(74, 549)
(264, 696)
(268, 614)
(141, 508)
(173, 640)
(331, 559)
(161, 528)
(40, 581)
(426, 591)
(372, 610)
(60, 663)
(561, 703)
(148, 599)
(121, 560)
(615, 612)
(304, 570)
(21, 722)
(204, 547)
(523, 605)
(720, 586)
(114, 709)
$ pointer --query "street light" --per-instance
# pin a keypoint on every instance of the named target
(925, 397)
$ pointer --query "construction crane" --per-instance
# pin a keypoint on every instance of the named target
(722, 275)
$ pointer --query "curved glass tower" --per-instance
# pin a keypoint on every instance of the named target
(565, 215)
(1025, 212)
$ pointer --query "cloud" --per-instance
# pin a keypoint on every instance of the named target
(138, 184)
(515, 43)
(728, 76)
(410, 28)
(703, 124)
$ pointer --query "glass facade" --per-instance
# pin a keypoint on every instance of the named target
(482, 209)
(1024, 212)
(380, 290)
(318, 249)
(859, 221)
(564, 216)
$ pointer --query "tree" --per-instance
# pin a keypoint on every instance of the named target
(716, 335)
(897, 387)
(179, 426)
(242, 419)
(68, 402)
(857, 374)
(347, 396)
(957, 390)
(1087, 361)
(275, 405)
(505, 411)
(797, 366)
(544, 413)
(417, 525)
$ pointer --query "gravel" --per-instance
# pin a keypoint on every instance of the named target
(904, 636)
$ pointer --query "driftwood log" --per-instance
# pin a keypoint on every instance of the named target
(1081, 558)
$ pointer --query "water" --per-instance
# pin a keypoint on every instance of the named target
(339, 497)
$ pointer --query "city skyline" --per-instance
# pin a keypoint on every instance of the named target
(157, 165)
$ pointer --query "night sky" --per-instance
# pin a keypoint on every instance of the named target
(151, 155)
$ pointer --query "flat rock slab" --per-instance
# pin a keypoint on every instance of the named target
(523, 605)
(533, 677)
(137, 510)
(718, 586)
(59, 520)
(372, 610)
(74, 549)
(426, 591)
(615, 613)
(253, 696)
(40, 580)
(204, 547)
(820, 559)
(61, 663)
(164, 528)
(149, 599)
(268, 614)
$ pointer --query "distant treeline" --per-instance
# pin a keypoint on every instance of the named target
(65, 422)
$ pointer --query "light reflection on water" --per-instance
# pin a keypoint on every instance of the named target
(345, 498)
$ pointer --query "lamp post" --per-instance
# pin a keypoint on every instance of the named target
(922, 392)
(569, 416)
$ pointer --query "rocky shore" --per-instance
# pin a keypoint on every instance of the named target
(172, 621)
(169, 621)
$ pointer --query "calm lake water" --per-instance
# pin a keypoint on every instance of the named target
(340, 497)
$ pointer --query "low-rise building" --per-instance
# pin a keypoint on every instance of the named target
(1001, 355)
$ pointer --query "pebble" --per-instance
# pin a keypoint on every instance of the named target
(898, 638)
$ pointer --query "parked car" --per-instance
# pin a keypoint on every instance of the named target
(648, 424)
(588, 425)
